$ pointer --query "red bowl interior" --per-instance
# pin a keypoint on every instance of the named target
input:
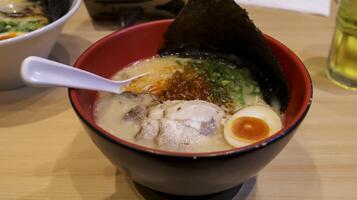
(108, 55)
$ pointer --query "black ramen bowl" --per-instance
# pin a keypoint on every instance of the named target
(184, 174)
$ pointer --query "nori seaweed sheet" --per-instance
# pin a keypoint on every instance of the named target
(55, 9)
(223, 30)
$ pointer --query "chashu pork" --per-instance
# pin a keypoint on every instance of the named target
(181, 125)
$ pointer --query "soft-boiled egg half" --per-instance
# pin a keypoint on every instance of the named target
(251, 124)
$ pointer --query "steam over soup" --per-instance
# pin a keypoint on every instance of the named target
(188, 105)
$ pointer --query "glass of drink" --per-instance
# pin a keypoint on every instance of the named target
(342, 61)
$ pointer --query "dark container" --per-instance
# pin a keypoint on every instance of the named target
(130, 11)
(185, 174)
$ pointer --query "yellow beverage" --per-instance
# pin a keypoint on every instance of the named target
(342, 63)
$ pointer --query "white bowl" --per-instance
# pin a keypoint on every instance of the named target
(37, 43)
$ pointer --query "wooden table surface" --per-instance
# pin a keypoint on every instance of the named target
(45, 153)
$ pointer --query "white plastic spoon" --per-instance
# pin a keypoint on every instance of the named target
(40, 72)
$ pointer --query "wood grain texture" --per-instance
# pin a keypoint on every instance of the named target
(45, 154)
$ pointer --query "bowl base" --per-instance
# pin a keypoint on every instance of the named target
(149, 194)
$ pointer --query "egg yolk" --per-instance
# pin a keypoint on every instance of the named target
(250, 128)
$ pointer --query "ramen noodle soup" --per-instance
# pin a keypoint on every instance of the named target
(214, 85)
(18, 17)
(188, 105)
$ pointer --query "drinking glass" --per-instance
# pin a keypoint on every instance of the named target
(342, 61)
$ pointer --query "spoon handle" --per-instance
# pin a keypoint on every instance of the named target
(38, 71)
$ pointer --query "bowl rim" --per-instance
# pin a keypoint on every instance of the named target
(239, 150)
(72, 10)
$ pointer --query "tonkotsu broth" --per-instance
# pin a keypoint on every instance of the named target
(110, 109)
(112, 112)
